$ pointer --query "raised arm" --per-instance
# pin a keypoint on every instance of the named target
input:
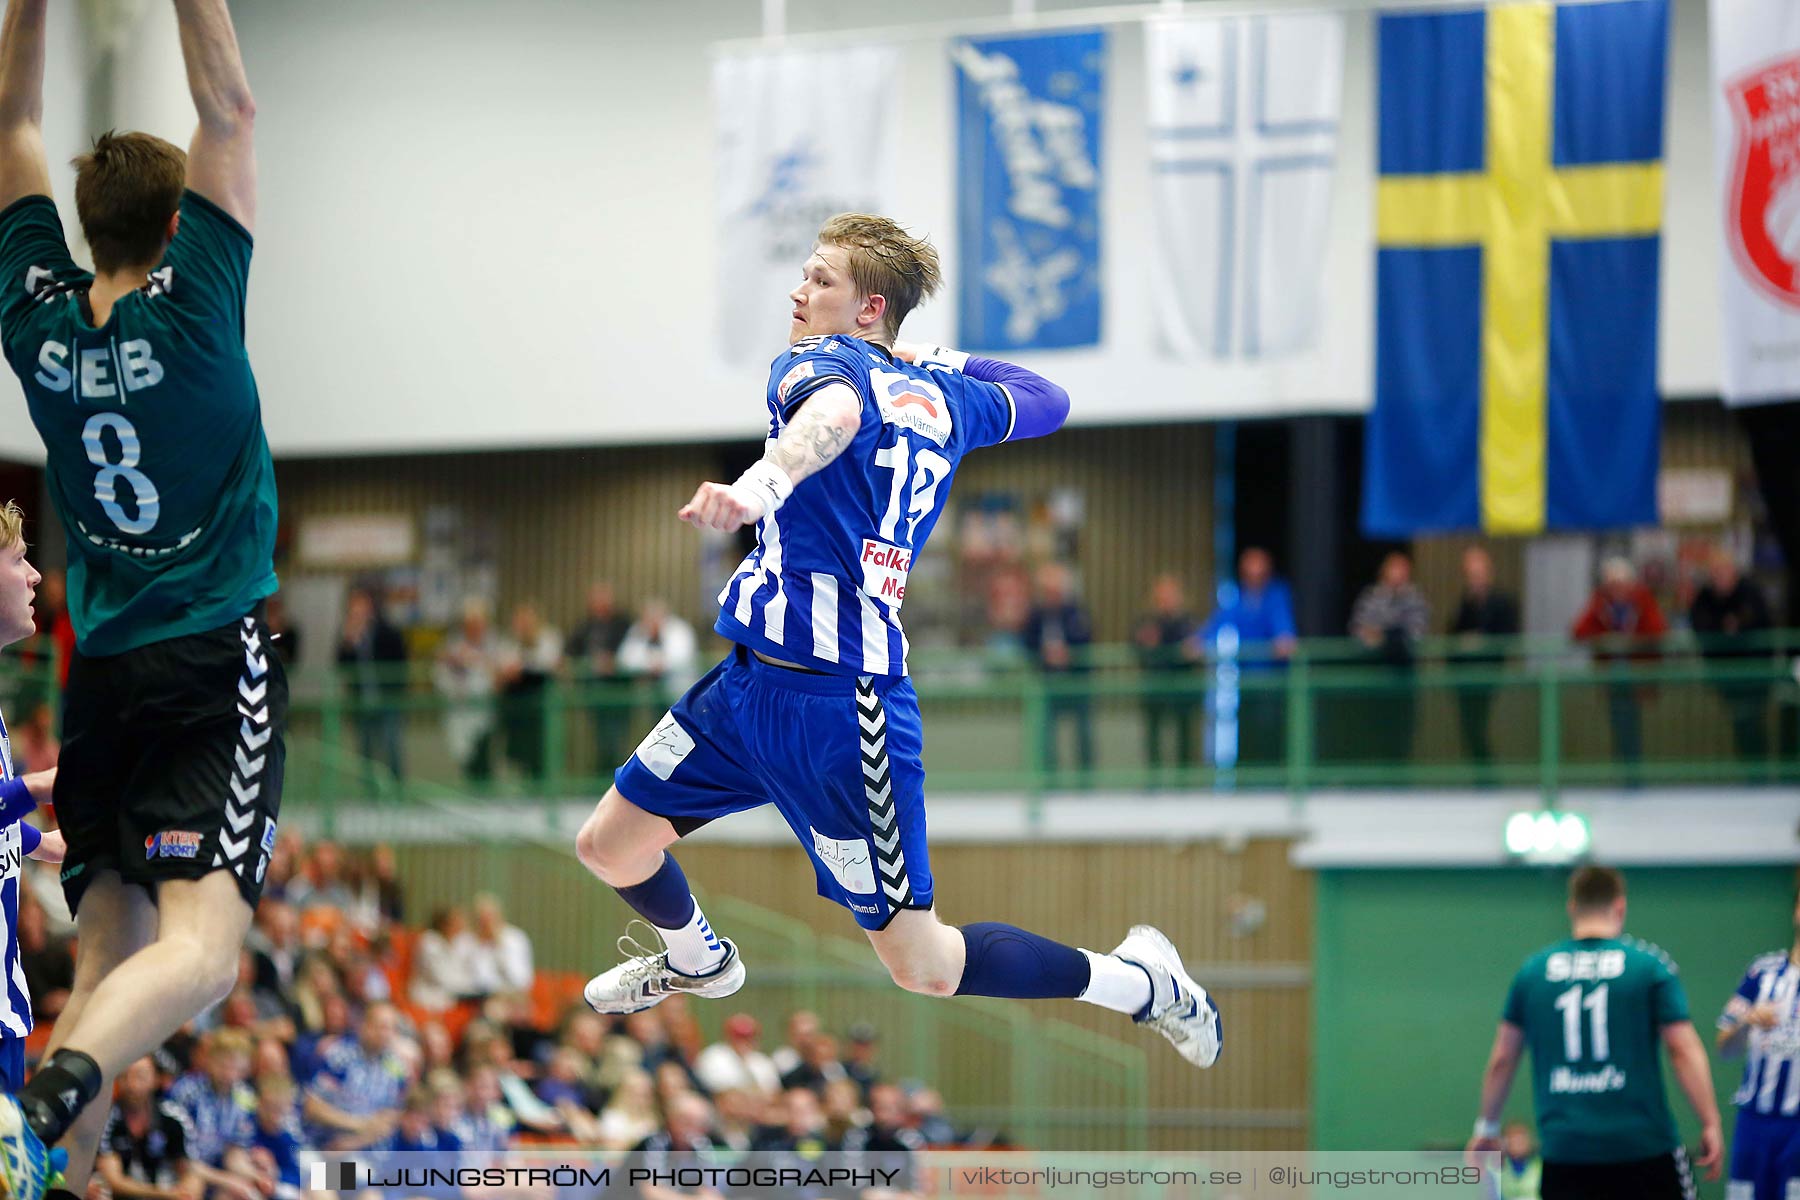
(222, 158)
(818, 432)
(24, 169)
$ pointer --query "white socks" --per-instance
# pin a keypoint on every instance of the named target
(1116, 984)
(695, 949)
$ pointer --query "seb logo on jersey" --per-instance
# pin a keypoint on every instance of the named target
(915, 404)
(1584, 964)
(884, 570)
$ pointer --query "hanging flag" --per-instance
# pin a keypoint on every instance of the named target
(803, 135)
(1756, 115)
(1028, 190)
(1243, 147)
(1519, 208)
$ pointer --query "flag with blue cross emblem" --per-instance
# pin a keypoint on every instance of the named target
(1243, 148)
(1519, 207)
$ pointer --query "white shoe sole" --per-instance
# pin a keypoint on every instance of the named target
(717, 986)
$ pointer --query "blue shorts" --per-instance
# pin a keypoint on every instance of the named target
(12, 1064)
(1765, 1157)
(839, 756)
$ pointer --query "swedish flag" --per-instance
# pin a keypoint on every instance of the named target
(1518, 212)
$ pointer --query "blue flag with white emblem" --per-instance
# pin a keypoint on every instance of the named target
(1029, 112)
(1519, 209)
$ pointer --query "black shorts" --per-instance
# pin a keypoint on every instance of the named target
(1665, 1177)
(172, 760)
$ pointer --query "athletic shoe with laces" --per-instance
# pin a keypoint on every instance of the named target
(645, 978)
(1179, 1008)
(25, 1165)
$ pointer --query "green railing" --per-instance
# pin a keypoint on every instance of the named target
(1536, 713)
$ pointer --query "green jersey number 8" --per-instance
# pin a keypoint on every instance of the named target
(107, 478)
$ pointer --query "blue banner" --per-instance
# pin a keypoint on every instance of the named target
(1028, 190)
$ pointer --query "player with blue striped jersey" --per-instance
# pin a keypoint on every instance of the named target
(19, 795)
(813, 712)
(1761, 1021)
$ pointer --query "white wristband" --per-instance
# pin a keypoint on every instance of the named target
(768, 483)
(1486, 1129)
(956, 360)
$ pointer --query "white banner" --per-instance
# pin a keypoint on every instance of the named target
(803, 135)
(1756, 115)
(1243, 147)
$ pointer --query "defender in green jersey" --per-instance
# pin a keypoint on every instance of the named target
(137, 379)
(1595, 1012)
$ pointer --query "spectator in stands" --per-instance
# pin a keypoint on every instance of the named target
(277, 1140)
(1057, 635)
(660, 646)
(736, 1119)
(418, 1130)
(803, 1133)
(532, 659)
(270, 1058)
(48, 965)
(371, 658)
(377, 899)
(1624, 623)
(354, 1099)
(465, 675)
(928, 1118)
(630, 1116)
(1166, 654)
(594, 654)
(487, 1123)
(689, 1133)
(860, 1063)
(844, 1109)
(496, 956)
(584, 1033)
(1008, 608)
(34, 743)
(437, 1049)
(802, 1027)
(274, 943)
(55, 628)
(440, 975)
(1727, 613)
(652, 1039)
(1254, 622)
(562, 1089)
(736, 1062)
(487, 1045)
(320, 883)
(216, 1105)
(1521, 1170)
(143, 1152)
(1484, 613)
(1390, 618)
(364, 980)
(889, 1138)
(819, 1066)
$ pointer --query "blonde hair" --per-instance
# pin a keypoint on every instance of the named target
(12, 525)
(886, 261)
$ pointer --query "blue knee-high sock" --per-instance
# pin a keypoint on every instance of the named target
(664, 899)
(1003, 960)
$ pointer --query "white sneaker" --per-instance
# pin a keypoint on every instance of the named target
(1179, 1008)
(645, 978)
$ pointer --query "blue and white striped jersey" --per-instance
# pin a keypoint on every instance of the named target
(1772, 1065)
(15, 1010)
(823, 587)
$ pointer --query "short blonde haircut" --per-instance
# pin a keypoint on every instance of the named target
(887, 261)
(12, 526)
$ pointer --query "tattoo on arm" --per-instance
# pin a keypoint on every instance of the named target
(817, 435)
